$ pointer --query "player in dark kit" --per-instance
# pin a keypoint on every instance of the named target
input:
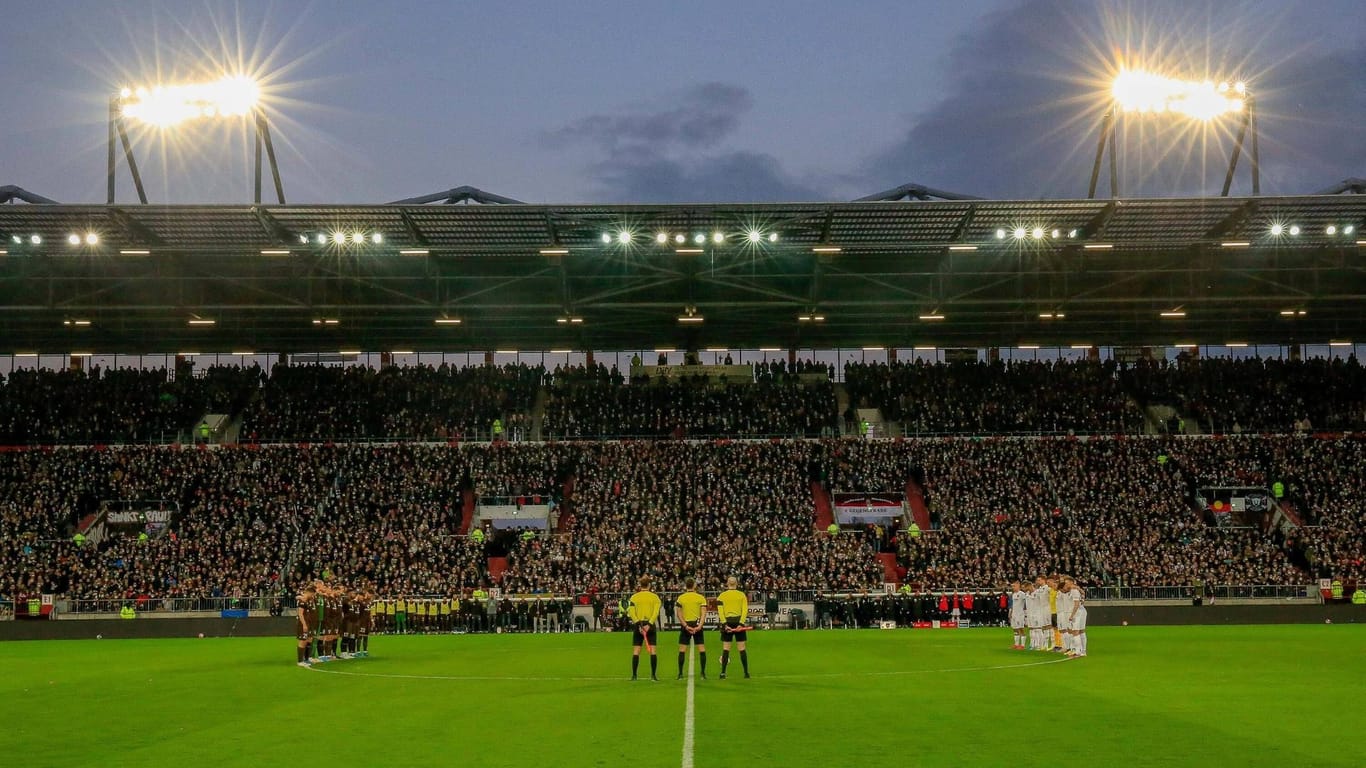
(643, 611)
(689, 607)
(305, 625)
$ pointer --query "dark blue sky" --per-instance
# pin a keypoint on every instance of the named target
(667, 101)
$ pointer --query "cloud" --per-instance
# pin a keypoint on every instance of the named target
(1023, 107)
(674, 152)
(703, 116)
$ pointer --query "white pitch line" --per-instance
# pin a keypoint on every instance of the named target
(688, 711)
(602, 678)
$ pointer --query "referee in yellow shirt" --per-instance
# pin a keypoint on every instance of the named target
(643, 610)
(732, 608)
(689, 607)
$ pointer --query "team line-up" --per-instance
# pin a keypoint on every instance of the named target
(334, 622)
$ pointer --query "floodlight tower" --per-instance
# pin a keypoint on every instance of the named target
(1144, 93)
(165, 106)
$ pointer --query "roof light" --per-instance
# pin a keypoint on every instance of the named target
(1294, 230)
(412, 252)
(1082, 346)
(699, 238)
(680, 238)
(73, 239)
(348, 352)
(690, 318)
(448, 321)
(1277, 230)
(624, 237)
(275, 252)
(962, 247)
(303, 239)
(376, 238)
(554, 251)
(1173, 313)
(925, 349)
(1019, 233)
(773, 237)
(606, 238)
(401, 352)
(1000, 234)
(202, 321)
(339, 237)
(243, 353)
(932, 317)
(91, 238)
(1038, 233)
(1235, 244)
(661, 237)
(1056, 234)
(164, 106)
(1339, 343)
(1029, 346)
(78, 323)
(357, 237)
(134, 252)
(826, 249)
(1238, 344)
(1098, 246)
(38, 239)
(1330, 230)
(754, 236)
(1072, 233)
(688, 251)
(1347, 230)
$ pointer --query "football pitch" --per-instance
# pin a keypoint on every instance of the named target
(1145, 696)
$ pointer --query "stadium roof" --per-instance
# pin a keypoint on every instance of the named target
(879, 273)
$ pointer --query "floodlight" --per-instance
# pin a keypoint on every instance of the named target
(166, 106)
(1019, 233)
(1037, 233)
(91, 238)
(680, 238)
(377, 238)
(699, 238)
(16, 239)
(357, 237)
(1347, 230)
(73, 238)
(1000, 234)
(1331, 230)
(623, 237)
(1240, 87)
(339, 237)
(718, 238)
(1294, 230)
(661, 237)
(606, 238)
(773, 237)
(1277, 230)
(1149, 93)
(38, 239)
(754, 236)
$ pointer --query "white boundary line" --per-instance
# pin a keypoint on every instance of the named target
(688, 712)
(602, 678)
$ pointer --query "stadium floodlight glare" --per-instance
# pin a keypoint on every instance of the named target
(168, 105)
(1277, 230)
(1237, 344)
(448, 321)
(92, 238)
(962, 247)
(1330, 230)
(1098, 246)
(73, 239)
(661, 237)
(1292, 313)
(1294, 230)
(275, 252)
(1339, 343)
(624, 237)
(202, 321)
(1037, 233)
(1019, 233)
(680, 238)
(38, 239)
(377, 238)
(718, 238)
(1000, 234)
(826, 249)
(1135, 90)
(77, 323)
(699, 238)
(412, 252)
(932, 317)
(688, 251)
(690, 319)
(1347, 230)
(1144, 93)
(553, 251)
(1173, 313)
(1235, 244)
(754, 236)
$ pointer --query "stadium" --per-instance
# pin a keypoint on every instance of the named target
(924, 446)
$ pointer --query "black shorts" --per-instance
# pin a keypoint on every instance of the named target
(1055, 621)
(637, 638)
(305, 636)
(728, 632)
(685, 637)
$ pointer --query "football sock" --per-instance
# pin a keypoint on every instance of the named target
(635, 665)
(681, 656)
(303, 654)
(725, 661)
(702, 658)
(744, 661)
(654, 664)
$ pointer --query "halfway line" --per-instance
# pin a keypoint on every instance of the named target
(688, 711)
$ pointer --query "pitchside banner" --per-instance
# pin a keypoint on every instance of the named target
(861, 509)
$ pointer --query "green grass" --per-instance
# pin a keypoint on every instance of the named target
(1146, 696)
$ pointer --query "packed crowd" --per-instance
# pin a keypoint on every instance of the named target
(691, 407)
(251, 521)
(672, 510)
(314, 402)
(124, 405)
(1255, 395)
(995, 398)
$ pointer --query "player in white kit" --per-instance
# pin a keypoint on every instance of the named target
(1076, 617)
(1039, 617)
(1017, 615)
(1064, 609)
